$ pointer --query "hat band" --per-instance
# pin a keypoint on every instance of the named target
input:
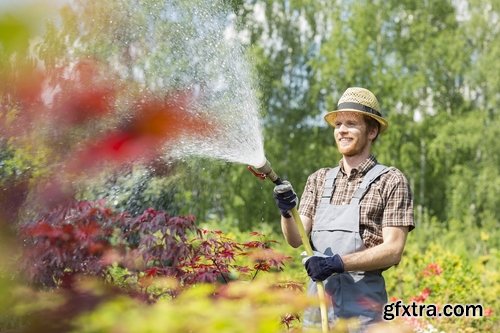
(357, 106)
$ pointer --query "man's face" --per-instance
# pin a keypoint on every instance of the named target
(351, 134)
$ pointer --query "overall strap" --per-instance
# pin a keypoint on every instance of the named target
(372, 175)
(329, 186)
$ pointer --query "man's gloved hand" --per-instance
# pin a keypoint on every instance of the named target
(319, 267)
(285, 198)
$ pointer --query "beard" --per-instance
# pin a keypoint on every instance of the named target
(351, 147)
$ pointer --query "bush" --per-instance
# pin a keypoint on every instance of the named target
(438, 275)
(156, 270)
(145, 259)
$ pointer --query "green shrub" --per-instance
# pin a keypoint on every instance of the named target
(439, 275)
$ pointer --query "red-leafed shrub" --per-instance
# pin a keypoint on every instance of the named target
(88, 238)
(131, 255)
(68, 240)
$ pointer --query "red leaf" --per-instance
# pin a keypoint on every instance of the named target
(422, 297)
(97, 248)
(432, 269)
(153, 271)
(369, 303)
(226, 254)
(81, 104)
(88, 230)
(40, 229)
(254, 244)
(156, 122)
(262, 266)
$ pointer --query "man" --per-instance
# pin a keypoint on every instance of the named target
(357, 215)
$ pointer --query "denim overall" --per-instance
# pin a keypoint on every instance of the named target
(336, 231)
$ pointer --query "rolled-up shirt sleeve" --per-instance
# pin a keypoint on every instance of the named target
(398, 211)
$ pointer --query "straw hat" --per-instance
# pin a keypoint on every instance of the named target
(358, 100)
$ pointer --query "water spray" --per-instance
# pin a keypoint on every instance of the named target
(265, 171)
(212, 60)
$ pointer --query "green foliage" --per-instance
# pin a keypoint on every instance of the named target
(429, 64)
(440, 266)
(240, 307)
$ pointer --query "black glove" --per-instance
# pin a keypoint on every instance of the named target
(319, 268)
(285, 198)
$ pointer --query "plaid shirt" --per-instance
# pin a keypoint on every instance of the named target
(387, 203)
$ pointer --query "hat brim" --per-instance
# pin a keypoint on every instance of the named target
(332, 115)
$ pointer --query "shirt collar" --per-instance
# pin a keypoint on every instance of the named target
(363, 168)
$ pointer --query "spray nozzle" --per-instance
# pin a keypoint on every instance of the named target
(265, 171)
(257, 174)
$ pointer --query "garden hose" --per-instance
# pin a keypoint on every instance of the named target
(263, 172)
